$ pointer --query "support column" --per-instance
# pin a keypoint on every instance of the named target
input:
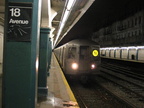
(43, 62)
(49, 55)
(20, 66)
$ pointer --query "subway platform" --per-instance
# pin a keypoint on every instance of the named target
(59, 92)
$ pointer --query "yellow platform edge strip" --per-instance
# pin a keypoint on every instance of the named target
(71, 95)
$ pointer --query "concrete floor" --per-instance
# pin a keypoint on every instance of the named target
(59, 92)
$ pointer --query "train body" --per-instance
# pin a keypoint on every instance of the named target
(79, 57)
(133, 53)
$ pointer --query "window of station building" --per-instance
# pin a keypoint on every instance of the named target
(135, 21)
(72, 52)
(135, 32)
(128, 34)
(139, 32)
(139, 19)
(125, 25)
(132, 23)
(128, 24)
(132, 33)
(123, 35)
(115, 28)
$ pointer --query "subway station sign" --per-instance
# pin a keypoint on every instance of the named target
(19, 22)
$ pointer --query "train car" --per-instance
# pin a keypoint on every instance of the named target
(79, 58)
(131, 53)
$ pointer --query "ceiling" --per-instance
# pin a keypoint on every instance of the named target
(86, 17)
(100, 14)
(80, 7)
(51, 13)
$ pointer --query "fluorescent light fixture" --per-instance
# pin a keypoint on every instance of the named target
(66, 13)
(62, 24)
(70, 4)
(59, 32)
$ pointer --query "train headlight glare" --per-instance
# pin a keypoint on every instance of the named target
(93, 66)
(74, 66)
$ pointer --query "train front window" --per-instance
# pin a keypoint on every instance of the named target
(84, 52)
(72, 52)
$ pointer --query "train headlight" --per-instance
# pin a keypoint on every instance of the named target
(93, 66)
(74, 66)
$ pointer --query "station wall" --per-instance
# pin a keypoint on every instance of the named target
(128, 31)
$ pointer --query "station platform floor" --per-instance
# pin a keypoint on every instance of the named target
(59, 92)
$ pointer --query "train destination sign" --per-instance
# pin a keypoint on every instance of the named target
(95, 53)
(19, 21)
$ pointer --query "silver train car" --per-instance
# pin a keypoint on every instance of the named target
(79, 58)
(131, 53)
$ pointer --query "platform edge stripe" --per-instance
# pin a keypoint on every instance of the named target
(72, 97)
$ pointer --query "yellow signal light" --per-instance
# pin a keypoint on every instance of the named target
(95, 53)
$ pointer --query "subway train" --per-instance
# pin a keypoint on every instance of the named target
(131, 53)
(79, 58)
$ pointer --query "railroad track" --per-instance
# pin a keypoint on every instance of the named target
(124, 70)
(86, 96)
(123, 83)
(91, 95)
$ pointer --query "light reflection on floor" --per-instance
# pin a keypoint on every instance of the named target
(53, 102)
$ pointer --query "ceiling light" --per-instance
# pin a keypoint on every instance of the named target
(66, 13)
(70, 4)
